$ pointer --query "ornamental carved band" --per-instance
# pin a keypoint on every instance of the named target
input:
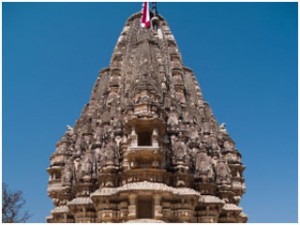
(146, 147)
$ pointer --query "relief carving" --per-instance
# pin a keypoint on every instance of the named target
(204, 168)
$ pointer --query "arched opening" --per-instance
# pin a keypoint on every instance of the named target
(145, 139)
(145, 208)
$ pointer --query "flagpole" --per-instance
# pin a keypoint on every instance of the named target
(154, 8)
(145, 19)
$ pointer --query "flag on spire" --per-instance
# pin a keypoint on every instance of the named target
(145, 20)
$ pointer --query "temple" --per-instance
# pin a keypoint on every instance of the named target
(146, 147)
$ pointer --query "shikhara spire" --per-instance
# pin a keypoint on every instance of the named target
(146, 147)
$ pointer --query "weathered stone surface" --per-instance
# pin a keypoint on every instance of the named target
(146, 138)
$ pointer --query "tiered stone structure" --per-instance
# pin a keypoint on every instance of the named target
(146, 147)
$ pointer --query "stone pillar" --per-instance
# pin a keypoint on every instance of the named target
(123, 215)
(133, 138)
(132, 207)
(84, 214)
(167, 212)
(99, 205)
(157, 207)
(209, 214)
(155, 137)
(124, 147)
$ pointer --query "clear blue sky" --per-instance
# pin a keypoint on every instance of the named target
(245, 58)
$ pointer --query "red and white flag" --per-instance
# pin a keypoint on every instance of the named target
(145, 20)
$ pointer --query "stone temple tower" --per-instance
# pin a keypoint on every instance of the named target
(146, 147)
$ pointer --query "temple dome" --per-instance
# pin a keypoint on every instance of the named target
(146, 137)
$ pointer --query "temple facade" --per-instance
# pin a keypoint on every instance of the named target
(146, 147)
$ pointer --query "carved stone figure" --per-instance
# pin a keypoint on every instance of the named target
(227, 145)
(78, 170)
(112, 97)
(106, 116)
(87, 167)
(222, 128)
(98, 152)
(70, 130)
(79, 144)
(204, 169)
(179, 149)
(68, 173)
(206, 126)
(111, 151)
(155, 137)
(222, 171)
(180, 96)
(172, 119)
(214, 143)
(187, 118)
(62, 148)
(164, 87)
(86, 141)
(194, 139)
(98, 136)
